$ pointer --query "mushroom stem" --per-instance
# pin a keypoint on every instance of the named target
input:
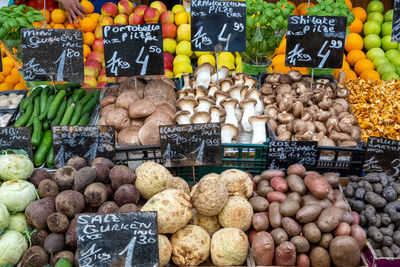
(229, 105)
(247, 106)
(228, 132)
(259, 131)
(186, 81)
(255, 94)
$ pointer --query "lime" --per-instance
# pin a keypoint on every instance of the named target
(375, 53)
(372, 41)
(390, 76)
(385, 68)
(379, 61)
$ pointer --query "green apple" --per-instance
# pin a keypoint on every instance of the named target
(386, 28)
(372, 41)
(379, 61)
(372, 27)
(390, 76)
(389, 15)
(387, 43)
(395, 61)
(375, 6)
(375, 53)
(392, 53)
(375, 16)
(385, 68)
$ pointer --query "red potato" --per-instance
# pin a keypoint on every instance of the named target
(262, 249)
(260, 221)
(269, 174)
(279, 184)
(302, 260)
(342, 229)
(285, 254)
(291, 227)
(251, 235)
(296, 169)
(317, 185)
(356, 218)
(276, 197)
(359, 235)
(275, 217)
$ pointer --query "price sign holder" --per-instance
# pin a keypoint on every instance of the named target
(122, 239)
(382, 155)
(16, 138)
(47, 51)
(282, 154)
(396, 21)
(191, 144)
(88, 142)
(133, 50)
(218, 23)
(315, 41)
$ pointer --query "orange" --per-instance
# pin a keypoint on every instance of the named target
(354, 41)
(13, 79)
(88, 38)
(6, 86)
(48, 16)
(19, 86)
(38, 24)
(15, 71)
(303, 71)
(370, 75)
(349, 4)
(94, 16)
(88, 6)
(278, 59)
(1, 77)
(88, 25)
(359, 13)
(282, 47)
(8, 61)
(281, 69)
(356, 26)
(302, 8)
(355, 55)
(345, 65)
(78, 25)
(58, 16)
(70, 26)
(362, 65)
(59, 26)
(6, 70)
(86, 50)
(350, 75)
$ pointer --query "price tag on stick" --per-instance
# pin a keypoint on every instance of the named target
(315, 41)
(382, 155)
(396, 21)
(56, 51)
(218, 23)
(133, 50)
(123, 239)
(16, 138)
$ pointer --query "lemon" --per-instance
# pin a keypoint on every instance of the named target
(189, 17)
(183, 33)
(226, 57)
(184, 48)
(169, 45)
(200, 53)
(181, 59)
(182, 67)
(206, 58)
(177, 8)
(181, 17)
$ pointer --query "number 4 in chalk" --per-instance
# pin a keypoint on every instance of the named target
(129, 252)
(324, 57)
(144, 62)
(222, 39)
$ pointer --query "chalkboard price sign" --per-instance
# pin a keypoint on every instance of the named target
(133, 50)
(16, 138)
(88, 142)
(49, 54)
(396, 21)
(124, 239)
(382, 155)
(191, 144)
(282, 154)
(218, 26)
(315, 41)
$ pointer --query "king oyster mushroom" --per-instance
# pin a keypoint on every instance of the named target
(203, 74)
(187, 103)
(259, 130)
(217, 113)
(182, 117)
(248, 110)
(229, 105)
(201, 117)
(229, 132)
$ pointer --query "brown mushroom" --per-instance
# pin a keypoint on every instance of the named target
(201, 117)
(141, 108)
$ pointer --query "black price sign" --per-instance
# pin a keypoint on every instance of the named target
(1, 63)
(382, 155)
(16, 138)
(52, 54)
(133, 50)
(315, 41)
(396, 21)
(191, 144)
(282, 154)
(218, 26)
(124, 239)
(88, 142)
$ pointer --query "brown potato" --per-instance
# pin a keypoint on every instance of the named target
(308, 213)
(263, 188)
(285, 254)
(329, 219)
(359, 235)
(312, 232)
(275, 217)
(296, 169)
(269, 174)
(296, 184)
(292, 227)
(301, 243)
(320, 257)
(344, 251)
(259, 203)
(326, 240)
(294, 196)
(279, 235)
(302, 260)
(289, 207)
(260, 221)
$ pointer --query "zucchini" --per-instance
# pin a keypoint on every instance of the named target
(67, 115)
(36, 111)
(50, 158)
(23, 119)
(55, 104)
(43, 149)
(78, 94)
(85, 119)
(48, 102)
(60, 113)
(37, 132)
(86, 98)
(77, 113)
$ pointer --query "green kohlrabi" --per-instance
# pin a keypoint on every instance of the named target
(18, 222)
(17, 194)
(12, 247)
(15, 166)
(4, 217)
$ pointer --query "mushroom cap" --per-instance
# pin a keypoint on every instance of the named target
(238, 87)
(222, 93)
(218, 109)
(232, 128)
(186, 100)
(251, 80)
(181, 93)
(189, 91)
(295, 75)
(247, 101)
(205, 98)
(203, 116)
(224, 68)
(263, 118)
(226, 81)
(181, 113)
(253, 92)
(229, 101)
(200, 91)
(204, 67)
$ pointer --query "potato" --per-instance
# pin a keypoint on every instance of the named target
(35, 256)
(296, 169)
(269, 174)
(329, 219)
(347, 217)
(103, 161)
(128, 208)
(275, 217)
(57, 222)
(289, 208)
(296, 184)
(317, 185)
(342, 229)
(95, 194)
(320, 257)
(262, 249)
(71, 239)
(301, 243)
(62, 254)
(259, 204)
(260, 221)
(37, 176)
(310, 199)
(37, 212)
(279, 184)
(326, 240)
(54, 243)
(341, 204)
(125, 194)
(308, 213)
(263, 188)
(312, 232)
(70, 202)
(108, 207)
(285, 254)
(359, 235)
(102, 173)
(294, 196)
(276, 196)
(302, 260)
(292, 227)
(279, 235)
(121, 175)
(38, 238)
(332, 178)
(344, 251)
(84, 177)
(48, 188)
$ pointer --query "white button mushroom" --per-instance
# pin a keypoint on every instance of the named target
(255, 94)
(182, 117)
(228, 132)
(229, 106)
(217, 113)
(223, 72)
(201, 117)
(204, 104)
(187, 103)
(203, 74)
(259, 129)
(247, 107)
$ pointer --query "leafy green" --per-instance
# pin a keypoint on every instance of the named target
(331, 8)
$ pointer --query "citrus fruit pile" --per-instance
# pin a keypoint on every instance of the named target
(10, 78)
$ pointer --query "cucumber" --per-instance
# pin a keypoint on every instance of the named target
(54, 106)
(50, 158)
(67, 115)
(86, 98)
(60, 113)
(37, 132)
(43, 99)
(85, 119)
(91, 104)
(63, 262)
(77, 113)
(78, 94)
(23, 119)
(36, 111)
(35, 92)
(47, 106)
(46, 125)
(23, 105)
(43, 149)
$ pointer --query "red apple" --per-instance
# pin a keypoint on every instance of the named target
(98, 45)
(168, 73)
(90, 71)
(169, 30)
(121, 19)
(135, 18)
(109, 9)
(151, 15)
(102, 71)
(98, 33)
(104, 78)
(106, 21)
(89, 81)
(140, 9)
(159, 5)
(167, 16)
(168, 57)
(102, 84)
(125, 7)
(167, 65)
(91, 62)
(96, 55)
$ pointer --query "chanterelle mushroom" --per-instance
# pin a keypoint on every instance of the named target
(229, 105)
(247, 107)
(217, 113)
(187, 103)
(182, 117)
(229, 132)
(203, 74)
(204, 104)
(259, 132)
(201, 117)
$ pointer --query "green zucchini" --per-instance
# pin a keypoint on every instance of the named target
(48, 102)
(60, 113)
(37, 132)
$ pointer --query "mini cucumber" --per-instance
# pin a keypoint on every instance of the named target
(35, 92)
(67, 115)
(60, 113)
(23, 119)
(86, 98)
(46, 125)
(43, 99)
(23, 105)
(85, 119)
(50, 158)
(37, 132)
(77, 113)
(48, 102)
(78, 94)
(54, 106)
(43, 149)
(36, 111)
(91, 104)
